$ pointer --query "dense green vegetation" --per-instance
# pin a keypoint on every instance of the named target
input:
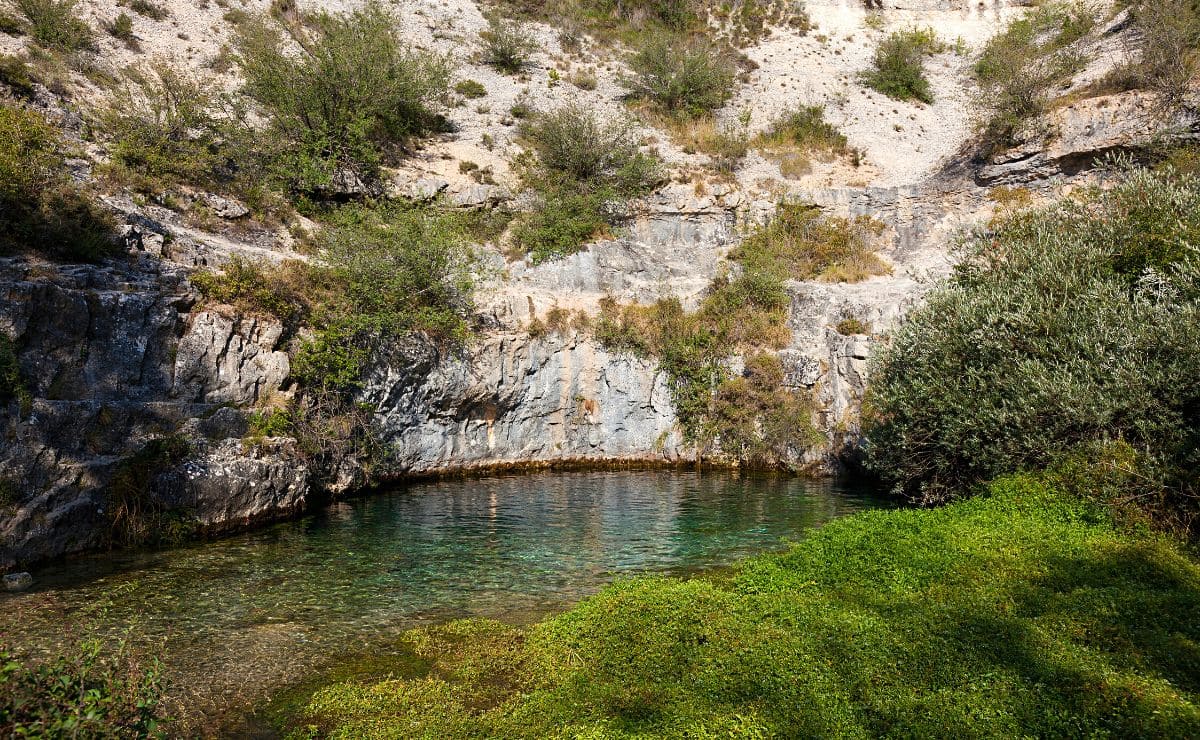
(681, 78)
(346, 101)
(1023, 612)
(383, 271)
(1063, 325)
(899, 65)
(750, 418)
(41, 208)
(55, 24)
(92, 690)
(579, 166)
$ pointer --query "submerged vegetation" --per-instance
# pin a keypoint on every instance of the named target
(1024, 612)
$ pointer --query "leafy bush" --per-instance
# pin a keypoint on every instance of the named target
(17, 75)
(574, 147)
(756, 420)
(999, 616)
(1019, 68)
(122, 28)
(55, 25)
(802, 129)
(741, 314)
(170, 126)
(12, 385)
(148, 9)
(41, 209)
(385, 272)
(507, 45)
(1167, 50)
(92, 691)
(681, 78)
(253, 288)
(346, 100)
(899, 65)
(580, 166)
(470, 89)
(135, 514)
(804, 245)
(562, 223)
(1064, 325)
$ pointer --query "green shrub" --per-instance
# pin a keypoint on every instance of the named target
(681, 78)
(746, 313)
(804, 245)
(279, 291)
(562, 223)
(92, 690)
(580, 166)
(1020, 67)
(574, 147)
(12, 385)
(148, 9)
(135, 514)
(507, 45)
(1065, 325)
(470, 89)
(122, 28)
(173, 126)
(1023, 613)
(899, 65)
(755, 420)
(41, 209)
(384, 272)
(55, 25)
(346, 100)
(803, 129)
(1168, 41)
(17, 75)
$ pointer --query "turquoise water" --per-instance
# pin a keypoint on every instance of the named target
(240, 618)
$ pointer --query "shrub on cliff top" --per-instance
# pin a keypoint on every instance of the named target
(684, 78)
(802, 244)
(1064, 325)
(41, 209)
(346, 99)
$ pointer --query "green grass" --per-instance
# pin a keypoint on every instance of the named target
(1022, 612)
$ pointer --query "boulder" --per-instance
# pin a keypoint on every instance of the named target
(17, 581)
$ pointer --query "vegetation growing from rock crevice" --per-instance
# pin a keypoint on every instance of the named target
(582, 168)
(1019, 68)
(996, 616)
(1063, 326)
(802, 244)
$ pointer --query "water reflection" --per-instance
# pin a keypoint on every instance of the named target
(241, 616)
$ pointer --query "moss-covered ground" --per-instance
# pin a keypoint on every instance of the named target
(1021, 612)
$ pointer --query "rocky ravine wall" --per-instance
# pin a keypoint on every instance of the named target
(116, 355)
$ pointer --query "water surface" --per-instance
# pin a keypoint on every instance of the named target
(237, 619)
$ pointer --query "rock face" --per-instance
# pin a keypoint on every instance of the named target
(1077, 136)
(514, 399)
(110, 358)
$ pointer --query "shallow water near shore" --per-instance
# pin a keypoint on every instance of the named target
(237, 620)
